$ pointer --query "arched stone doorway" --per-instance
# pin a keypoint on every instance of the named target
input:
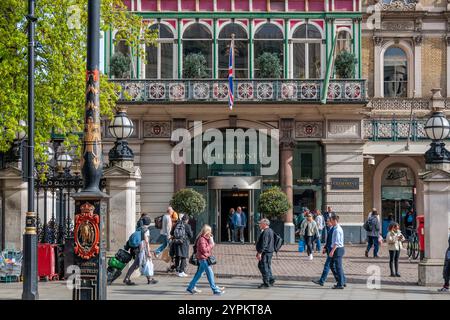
(397, 187)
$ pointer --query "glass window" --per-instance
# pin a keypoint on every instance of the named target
(159, 58)
(240, 50)
(307, 44)
(344, 42)
(198, 39)
(307, 164)
(395, 72)
(268, 38)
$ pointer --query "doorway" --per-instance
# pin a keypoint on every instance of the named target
(233, 199)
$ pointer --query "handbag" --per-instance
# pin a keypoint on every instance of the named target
(301, 245)
(193, 259)
(212, 260)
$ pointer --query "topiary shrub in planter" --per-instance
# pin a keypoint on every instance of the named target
(273, 204)
(345, 65)
(195, 66)
(269, 65)
(188, 201)
(119, 67)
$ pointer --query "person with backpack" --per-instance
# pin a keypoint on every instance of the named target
(310, 232)
(203, 246)
(165, 231)
(139, 242)
(373, 229)
(181, 235)
(265, 246)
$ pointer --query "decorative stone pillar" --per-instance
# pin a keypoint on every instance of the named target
(378, 81)
(287, 144)
(179, 169)
(418, 66)
(14, 194)
(447, 40)
(121, 214)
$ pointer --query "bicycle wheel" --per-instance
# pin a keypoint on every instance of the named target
(409, 249)
(416, 251)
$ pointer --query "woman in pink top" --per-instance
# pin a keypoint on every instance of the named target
(204, 245)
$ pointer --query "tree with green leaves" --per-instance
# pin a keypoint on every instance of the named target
(273, 203)
(269, 65)
(61, 31)
(188, 201)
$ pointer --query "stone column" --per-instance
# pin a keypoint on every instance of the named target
(14, 194)
(448, 64)
(378, 81)
(436, 180)
(418, 66)
(287, 144)
(179, 169)
(121, 216)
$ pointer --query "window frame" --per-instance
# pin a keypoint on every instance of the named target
(211, 39)
(160, 41)
(306, 41)
(219, 40)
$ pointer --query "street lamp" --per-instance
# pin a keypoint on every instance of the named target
(121, 127)
(437, 128)
(21, 133)
(64, 161)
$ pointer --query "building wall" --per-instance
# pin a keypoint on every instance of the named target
(367, 57)
(434, 64)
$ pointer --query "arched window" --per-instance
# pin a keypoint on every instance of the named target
(395, 72)
(268, 38)
(198, 39)
(240, 50)
(121, 47)
(344, 41)
(307, 53)
(159, 58)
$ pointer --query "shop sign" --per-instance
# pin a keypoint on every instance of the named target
(344, 183)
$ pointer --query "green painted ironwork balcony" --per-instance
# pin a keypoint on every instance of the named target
(394, 130)
(245, 90)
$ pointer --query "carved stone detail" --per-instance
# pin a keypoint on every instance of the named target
(399, 5)
(157, 129)
(309, 129)
(287, 140)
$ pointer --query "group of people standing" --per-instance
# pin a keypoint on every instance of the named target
(236, 224)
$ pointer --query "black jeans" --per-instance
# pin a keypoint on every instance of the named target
(446, 273)
(393, 260)
(309, 244)
(180, 264)
(265, 267)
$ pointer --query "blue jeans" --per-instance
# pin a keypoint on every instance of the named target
(336, 265)
(204, 267)
(318, 241)
(326, 269)
(372, 240)
(164, 244)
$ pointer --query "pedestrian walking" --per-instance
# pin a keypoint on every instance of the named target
(181, 236)
(446, 271)
(309, 231)
(139, 244)
(326, 250)
(394, 240)
(373, 229)
(240, 222)
(326, 217)
(337, 252)
(204, 244)
(230, 226)
(265, 246)
(320, 225)
(165, 231)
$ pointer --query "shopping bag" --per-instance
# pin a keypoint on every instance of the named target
(301, 245)
(147, 268)
(165, 256)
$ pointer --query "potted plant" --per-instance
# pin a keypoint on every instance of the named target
(190, 202)
(119, 66)
(195, 66)
(273, 204)
(269, 65)
(345, 65)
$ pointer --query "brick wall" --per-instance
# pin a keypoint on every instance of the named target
(368, 60)
(434, 65)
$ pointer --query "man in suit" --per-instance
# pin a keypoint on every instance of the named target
(337, 252)
(265, 246)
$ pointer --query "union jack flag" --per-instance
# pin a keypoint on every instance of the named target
(230, 76)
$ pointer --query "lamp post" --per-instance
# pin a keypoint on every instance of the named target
(89, 244)
(30, 274)
(121, 128)
(437, 129)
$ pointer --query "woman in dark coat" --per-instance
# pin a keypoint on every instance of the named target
(181, 250)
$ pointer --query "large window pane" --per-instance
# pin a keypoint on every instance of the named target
(200, 41)
(261, 47)
(166, 60)
(307, 52)
(240, 58)
(314, 60)
(151, 66)
(395, 73)
(299, 60)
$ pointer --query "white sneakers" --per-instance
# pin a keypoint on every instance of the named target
(310, 257)
(182, 274)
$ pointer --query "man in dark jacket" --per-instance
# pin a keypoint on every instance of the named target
(265, 248)
(446, 271)
(180, 247)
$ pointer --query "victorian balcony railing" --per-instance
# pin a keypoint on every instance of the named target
(245, 90)
(395, 130)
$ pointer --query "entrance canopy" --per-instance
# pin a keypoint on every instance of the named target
(235, 182)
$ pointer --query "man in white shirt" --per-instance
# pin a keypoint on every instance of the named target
(337, 252)
(165, 231)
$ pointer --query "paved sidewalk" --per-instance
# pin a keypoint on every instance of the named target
(239, 260)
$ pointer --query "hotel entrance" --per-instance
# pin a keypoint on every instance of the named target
(232, 192)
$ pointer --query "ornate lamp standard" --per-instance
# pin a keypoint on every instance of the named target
(89, 248)
(437, 129)
(121, 128)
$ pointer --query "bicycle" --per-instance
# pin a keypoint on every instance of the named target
(412, 249)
